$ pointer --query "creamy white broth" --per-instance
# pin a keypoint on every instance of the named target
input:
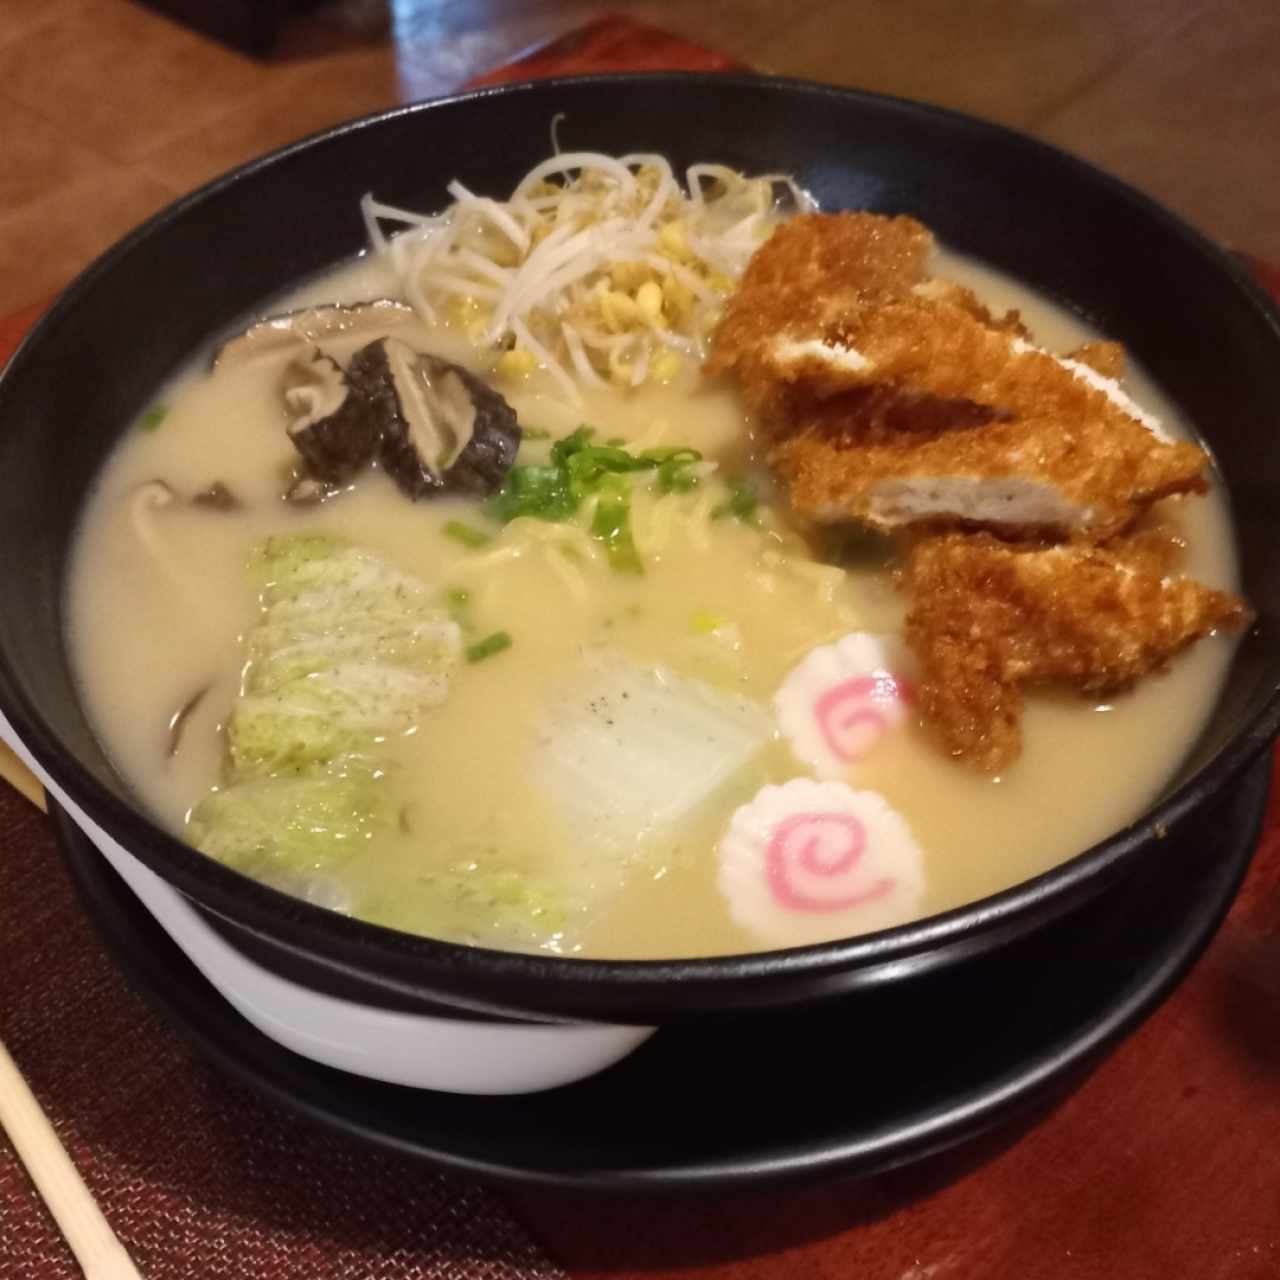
(144, 639)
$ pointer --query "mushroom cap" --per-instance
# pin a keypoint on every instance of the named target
(333, 425)
(293, 330)
(442, 430)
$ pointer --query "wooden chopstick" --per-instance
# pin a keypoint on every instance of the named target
(19, 777)
(100, 1255)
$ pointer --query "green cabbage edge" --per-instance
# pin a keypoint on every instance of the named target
(348, 653)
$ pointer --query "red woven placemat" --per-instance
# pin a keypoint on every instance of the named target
(200, 1179)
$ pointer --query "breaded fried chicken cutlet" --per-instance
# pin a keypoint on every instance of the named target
(1086, 476)
(897, 400)
(988, 619)
(900, 402)
(810, 274)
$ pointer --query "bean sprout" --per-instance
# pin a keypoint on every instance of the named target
(603, 268)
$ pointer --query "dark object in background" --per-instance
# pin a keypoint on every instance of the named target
(252, 26)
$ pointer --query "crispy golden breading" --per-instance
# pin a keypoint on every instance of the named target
(1015, 440)
(938, 290)
(987, 619)
(897, 400)
(1106, 358)
(902, 402)
(967, 430)
(811, 272)
(869, 416)
(1089, 476)
(939, 348)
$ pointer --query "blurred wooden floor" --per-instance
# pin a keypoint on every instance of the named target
(110, 111)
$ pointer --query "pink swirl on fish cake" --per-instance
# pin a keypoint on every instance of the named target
(841, 701)
(854, 715)
(807, 861)
(825, 847)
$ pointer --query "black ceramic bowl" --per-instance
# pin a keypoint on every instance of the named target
(1181, 304)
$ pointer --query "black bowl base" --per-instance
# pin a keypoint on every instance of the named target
(848, 1088)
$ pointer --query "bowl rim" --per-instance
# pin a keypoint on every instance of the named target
(245, 901)
(1021, 1087)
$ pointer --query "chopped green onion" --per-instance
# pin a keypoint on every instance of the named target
(571, 443)
(585, 465)
(741, 503)
(153, 417)
(534, 433)
(465, 534)
(579, 470)
(589, 468)
(674, 474)
(490, 645)
(538, 491)
(704, 624)
(457, 601)
(612, 525)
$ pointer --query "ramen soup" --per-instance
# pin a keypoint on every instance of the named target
(576, 681)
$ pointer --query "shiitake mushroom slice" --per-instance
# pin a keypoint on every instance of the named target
(278, 335)
(442, 430)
